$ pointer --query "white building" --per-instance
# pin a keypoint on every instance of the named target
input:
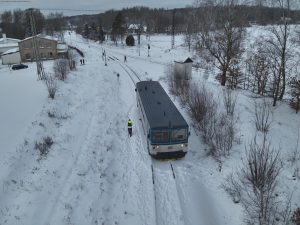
(11, 56)
(7, 43)
(184, 68)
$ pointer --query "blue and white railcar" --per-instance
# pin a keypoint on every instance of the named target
(165, 128)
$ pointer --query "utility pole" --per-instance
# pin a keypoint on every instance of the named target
(35, 48)
(173, 29)
(105, 58)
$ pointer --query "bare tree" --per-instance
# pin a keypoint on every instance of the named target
(258, 68)
(263, 116)
(229, 100)
(235, 76)
(72, 59)
(61, 69)
(224, 134)
(203, 110)
(217, 128)
(51, 84)
(55, 23)
(259, 179)
(295, 93)
(178, 85)
(279, 51)
(296, 217)
(191, 28)
(221, 35)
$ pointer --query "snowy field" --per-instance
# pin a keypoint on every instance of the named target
(94, 173)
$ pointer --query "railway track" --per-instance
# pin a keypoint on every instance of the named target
(134, 76)
(167, 198)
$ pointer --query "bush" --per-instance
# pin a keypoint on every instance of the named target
(44, 145)
(61, 68)
(296, 217)
(203, 110)
(217, 128)
(130, 40)
(178, 86)
(51, 84)
(233, 187)
(295, 93)
(263, 116)
(259, 177)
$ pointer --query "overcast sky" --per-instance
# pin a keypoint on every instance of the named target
(96, 6)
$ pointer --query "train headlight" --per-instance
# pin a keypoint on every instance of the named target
(157, 146)
(182, 145)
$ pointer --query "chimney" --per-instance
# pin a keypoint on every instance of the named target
(4, 38)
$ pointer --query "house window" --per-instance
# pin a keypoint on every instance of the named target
(27, 56)
(50, 54)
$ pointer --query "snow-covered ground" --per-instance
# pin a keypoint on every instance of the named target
(94, 173)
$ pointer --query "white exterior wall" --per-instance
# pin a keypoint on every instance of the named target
(13, 58)
(185, 69)
(188, 70)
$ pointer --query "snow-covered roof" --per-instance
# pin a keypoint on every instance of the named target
(42, 36)
(9, 40)
(186, 60)
(134, 26)
(11, 51)
(62, 46)
(160, 111)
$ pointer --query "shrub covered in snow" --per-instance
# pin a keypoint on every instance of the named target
(130, 40)
(44, 145)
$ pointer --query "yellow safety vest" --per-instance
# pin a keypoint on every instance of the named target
(129, 124)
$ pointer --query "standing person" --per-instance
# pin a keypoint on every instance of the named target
(80, 61)
(125, 59)
(129, 125)
(83, 61)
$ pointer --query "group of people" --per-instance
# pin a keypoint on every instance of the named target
(82, 62)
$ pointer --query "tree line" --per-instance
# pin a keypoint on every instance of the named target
(160, 20)
(16, 23)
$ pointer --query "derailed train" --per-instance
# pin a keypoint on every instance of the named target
(166, 130)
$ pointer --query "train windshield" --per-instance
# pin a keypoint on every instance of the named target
(160, 136)
(179, 135)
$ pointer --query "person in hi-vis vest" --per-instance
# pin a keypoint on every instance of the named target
(129, 125)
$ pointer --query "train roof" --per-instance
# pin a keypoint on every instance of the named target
(160, 110)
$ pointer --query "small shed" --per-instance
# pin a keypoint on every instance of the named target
(11, 56)
(62, 50)
(184, 68)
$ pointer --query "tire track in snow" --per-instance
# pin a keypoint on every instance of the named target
(82, 138)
